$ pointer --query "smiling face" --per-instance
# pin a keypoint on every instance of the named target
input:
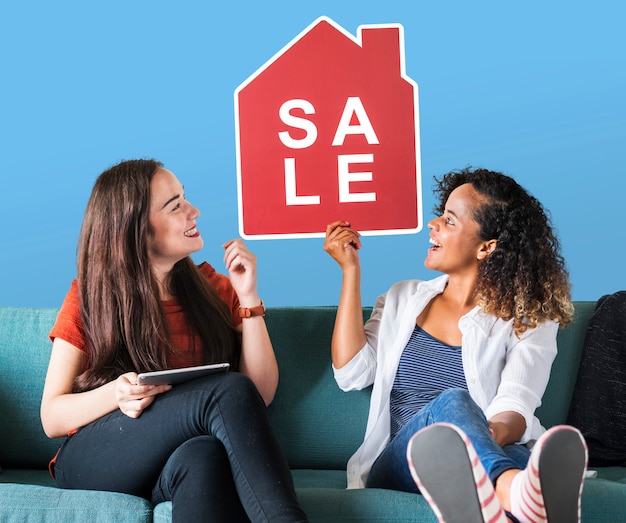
(457, 248)
(173, 234)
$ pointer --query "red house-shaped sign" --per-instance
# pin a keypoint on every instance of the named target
(327, 129)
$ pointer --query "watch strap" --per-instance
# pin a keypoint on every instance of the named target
(249, 312)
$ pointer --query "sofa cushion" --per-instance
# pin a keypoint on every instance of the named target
(604, 497)
(23, 502)
(318, 425)
(324, 498)
(598, 407)
(558, 395)
(24, 355)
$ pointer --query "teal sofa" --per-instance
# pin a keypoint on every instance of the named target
(318, 425)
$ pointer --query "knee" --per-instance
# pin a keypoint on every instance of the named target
(458, 396)
(200, 448)
(239, 383)
(197, 462)
(454, 406)
(238, 388)
(456, 400)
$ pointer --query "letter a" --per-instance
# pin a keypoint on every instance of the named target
(354, 106)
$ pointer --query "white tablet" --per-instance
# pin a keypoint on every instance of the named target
(174, 376)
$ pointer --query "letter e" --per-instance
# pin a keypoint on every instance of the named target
(346, 177)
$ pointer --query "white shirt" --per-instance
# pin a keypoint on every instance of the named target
(503, 372)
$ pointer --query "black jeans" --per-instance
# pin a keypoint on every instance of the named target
(206, 445)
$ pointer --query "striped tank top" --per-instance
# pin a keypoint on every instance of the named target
(427, 367)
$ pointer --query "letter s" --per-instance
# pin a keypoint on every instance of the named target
(297, 122)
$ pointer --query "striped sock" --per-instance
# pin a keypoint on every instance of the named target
(489, 503)
(526, 498)
(563, 466)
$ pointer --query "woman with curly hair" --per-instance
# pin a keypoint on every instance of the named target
(464, 359)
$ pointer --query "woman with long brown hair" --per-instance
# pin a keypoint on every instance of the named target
(140, 304)
(470, 349)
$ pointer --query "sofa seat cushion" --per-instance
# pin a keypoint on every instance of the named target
(604, 497)
(30, 496)
(617, 474)
(324, 498)
(322, 494)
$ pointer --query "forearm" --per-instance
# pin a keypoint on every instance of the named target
(67, 412)
(349, 332)
(258, 360)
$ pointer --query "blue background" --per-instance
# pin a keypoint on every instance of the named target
(534, 89)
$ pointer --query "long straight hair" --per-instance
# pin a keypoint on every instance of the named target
(124, 323)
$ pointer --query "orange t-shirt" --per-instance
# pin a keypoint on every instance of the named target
(187, 350)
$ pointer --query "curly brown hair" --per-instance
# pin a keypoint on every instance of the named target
(524, 278)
